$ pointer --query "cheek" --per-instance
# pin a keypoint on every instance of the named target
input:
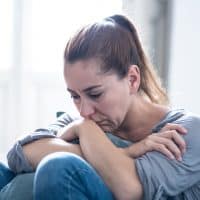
(104, 107)
(113, 107)
(120, 104)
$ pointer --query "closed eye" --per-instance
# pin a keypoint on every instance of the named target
(74, 96)
(95, 96)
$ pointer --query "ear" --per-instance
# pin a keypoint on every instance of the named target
(134, 78)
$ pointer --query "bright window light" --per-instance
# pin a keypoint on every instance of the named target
(52, 22)
(6, 17)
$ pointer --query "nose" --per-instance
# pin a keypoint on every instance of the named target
(86, 109)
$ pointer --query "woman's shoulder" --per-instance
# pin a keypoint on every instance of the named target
(187, 119)
(155, 170)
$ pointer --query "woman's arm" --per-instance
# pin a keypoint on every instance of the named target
(18, 161)
(116, 165)
(35, 151)
(168, 141)
(116, 168)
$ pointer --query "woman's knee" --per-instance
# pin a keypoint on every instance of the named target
(69, 177)
(59, 161)
(6, 175)
(54, 173)
(56, 166)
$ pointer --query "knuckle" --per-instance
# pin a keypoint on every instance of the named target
(169, 142)
(161, 147)
(174, 132)
(168, 125)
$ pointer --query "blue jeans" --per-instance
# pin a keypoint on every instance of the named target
(14, 187)
(6, 175)
(67, 176)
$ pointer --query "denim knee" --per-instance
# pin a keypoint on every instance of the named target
(59, 163)
(19, 188)
(53, 170)
(6, 175)
(67, 176)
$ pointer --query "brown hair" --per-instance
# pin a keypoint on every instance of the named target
(115, 42)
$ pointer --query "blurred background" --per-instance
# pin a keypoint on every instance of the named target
(33, 35)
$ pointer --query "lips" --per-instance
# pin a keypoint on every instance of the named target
(103, 124)
(100, 121)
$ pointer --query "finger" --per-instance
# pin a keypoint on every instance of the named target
(68, 133)
(177, 138)
(171, 146)
(162, 149)
(177, 127)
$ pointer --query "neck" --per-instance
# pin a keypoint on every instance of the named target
(140, 119)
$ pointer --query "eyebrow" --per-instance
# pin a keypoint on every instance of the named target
(86, 89)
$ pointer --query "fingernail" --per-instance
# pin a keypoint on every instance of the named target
(185, 130)
(180, 158)
(172, 157)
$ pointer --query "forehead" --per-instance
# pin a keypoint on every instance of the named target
(84, 73)
(89, 65)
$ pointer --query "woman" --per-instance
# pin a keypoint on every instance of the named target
(115, 90)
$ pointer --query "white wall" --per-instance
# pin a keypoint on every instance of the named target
(185, 55)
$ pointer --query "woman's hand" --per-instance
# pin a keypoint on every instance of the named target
(78, 128)
(168, 142)
(71, 131)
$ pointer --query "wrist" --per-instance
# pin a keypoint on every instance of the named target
(127, 151)
(83, 127)
(134, 150)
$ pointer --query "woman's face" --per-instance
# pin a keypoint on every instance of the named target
(103, 98)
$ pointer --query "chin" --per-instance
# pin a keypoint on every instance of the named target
(107, 126)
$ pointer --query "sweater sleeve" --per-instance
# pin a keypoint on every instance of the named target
(17, 161)
(162, 177)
